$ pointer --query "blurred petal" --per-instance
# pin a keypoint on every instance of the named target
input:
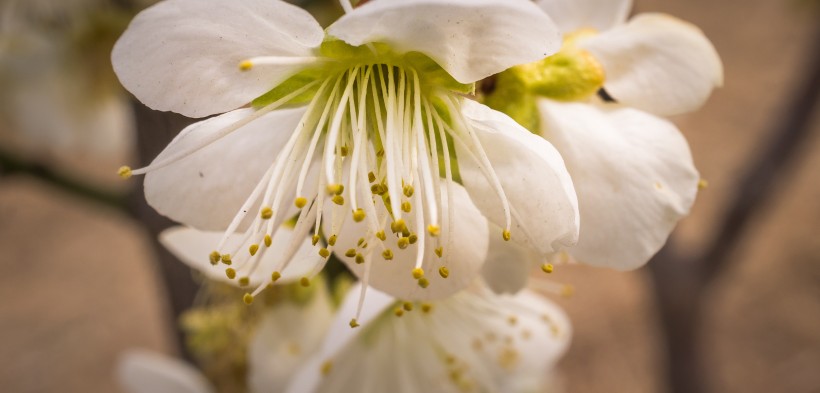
(206, 189)
(508, 264)
(184, 55)
(532, 174)
(142, 371)
(657, 63)
(470, 39)
(634, 176)
(601, 15)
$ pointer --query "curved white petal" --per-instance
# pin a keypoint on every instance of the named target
(634, 176)
(531, 172)
(463, 255)
(207, 188)
(657, 63)
(141, 371)
(285, 339)
(470, 39)
(490, 342)
(193, 247)
(508, 264)
(601, 15)
(184, 55)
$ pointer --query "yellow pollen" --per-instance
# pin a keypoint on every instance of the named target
(230, 273)
(358, 215)
(418, 273)
(332, 240)
(226, 259)
(266, 213)
(413, 238)
(371, 177)
(424, 283)
(300, 202)
(248, 298)
(244, 281)
(398, 311)
(703, 183)
(335, 189)
(253, 249)
(338, 199)
(324, 252)
(268, 240)
(124, 172)
(304, 281)
(433, 230)
(407, 306)
(398, 226)
(328, 365)
(426, 307)
(275, 276)
(215, 257)
(359, 259)
(315, 239)
(439, 251)
(444, 272)
(547, 268)
(408, 191)
(353, 323)
(381, 236)
(505, 235)
(245, 65)
(387, 254)
(350, 253)
(406, 207)
(403, 242)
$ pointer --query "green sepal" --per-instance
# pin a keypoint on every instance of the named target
(432, 74)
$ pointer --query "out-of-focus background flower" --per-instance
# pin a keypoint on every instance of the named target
(79, 281)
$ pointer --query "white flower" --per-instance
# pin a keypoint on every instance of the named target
(473, 341)
(377, 131)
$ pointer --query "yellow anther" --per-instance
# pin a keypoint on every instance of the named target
(343, 151)
(433, 230)
(547, 268)
(215, 257)
(338, 199)
(387, 254)
(253, 249)
(398, 311)
(439, 251)
(512, 320)
(350, 253)
(406, 207)
(230, 273)
(332, 240)
(363, 245)
(353, 323)
(244, 281)
(358, 215)
(268, 241)
(315, 239)
(324, 252)
(304, 281)
(300, 202)
(124, 172)
(403, 242)
(423, 282)
(413, 238)
(408, 191)
(418, 273)
(359, 258)
(266, 213)
(360, 242)
(248, 298)
(703, 183)
(378, 189)
(381, 236)
(380, 153)
(407, 306)
(335, 189)
(226, 259)
(426, 307)
(506, 235)
(444, 272)
(328, 365)
(398, 226)
(275, 276)
(245, 65)
(371, 177)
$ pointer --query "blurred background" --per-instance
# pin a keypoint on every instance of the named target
(80, 280)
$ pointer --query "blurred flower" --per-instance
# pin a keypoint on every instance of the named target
(380, 132)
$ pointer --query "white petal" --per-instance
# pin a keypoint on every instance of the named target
(285, 340)
(634, 176)
(533, 176)
(493, 343)
(470, 39)
(193, 247)
(463, 256)
(657, 63)
(142, 371)
(508, 264)
(184, 55)
(572, 15)
(206, 189)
